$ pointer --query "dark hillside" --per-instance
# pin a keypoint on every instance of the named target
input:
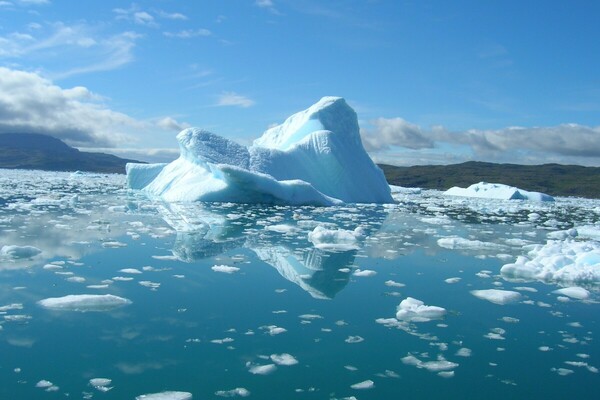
(553, 179)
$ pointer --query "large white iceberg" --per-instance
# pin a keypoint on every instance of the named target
(315, 157)
(497, 191)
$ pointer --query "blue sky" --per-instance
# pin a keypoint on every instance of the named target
(432, 81)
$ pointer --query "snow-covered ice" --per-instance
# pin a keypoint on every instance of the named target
(167, 395)
(334, 239)
(84, 302)
(568, 261)
(315, 157)
(574, 292)
(497, 191)
(414, 310)
(497, 296)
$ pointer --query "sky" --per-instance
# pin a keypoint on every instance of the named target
(432, 82)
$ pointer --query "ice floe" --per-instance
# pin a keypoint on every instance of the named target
(241, 392)
(226, 269)
(497, 296)
(566, 261)
(574, 292)
(368, 384)
(84, 302)
(284, 359)
(414, 310)
(497, 191)
(166, 395)
(335, 239)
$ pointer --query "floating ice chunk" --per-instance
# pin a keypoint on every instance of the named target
(261, 369)
(130, 271)
(114, 244)
(354, 339)
(284, 359)
(167, 395)
(574, 292)
(100, 382)
(43, 384)
(19, 252)
(414, 310)
(84, 302)
(458, 243)
(566, 261)
(440, 364)
(226, 269)
(392, 283)
(282, 228)
(497, 296)
(562, 371)
(334, 239)
(497, 191)
(446, 374)
(368, 384)
(452, 280)
(364, 272)
(464, 352)
(315, 157)
(242, 392)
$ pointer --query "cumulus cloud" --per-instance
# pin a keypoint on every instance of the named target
(30, 103)
(234, 99)
(409, 144)
(136, 15)
(170, 124)
(395, 132)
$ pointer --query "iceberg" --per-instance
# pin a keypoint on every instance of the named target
(497, 191)
(315, 157)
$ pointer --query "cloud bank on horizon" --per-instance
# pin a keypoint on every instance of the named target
(428, 88)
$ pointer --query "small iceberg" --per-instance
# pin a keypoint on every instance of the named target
(497, 191)
(84, 302)
(315, 157)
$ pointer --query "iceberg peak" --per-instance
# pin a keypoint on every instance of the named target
(314, 157)
(330, 113)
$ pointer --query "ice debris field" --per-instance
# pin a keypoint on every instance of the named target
(111, 293)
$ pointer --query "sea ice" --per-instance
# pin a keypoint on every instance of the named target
(242, 392)
(368, 384)
(334, 239)
(226, 269)
(284, 359)
(167, 395)
(261, 369)
(497, 191)
(497, 296)
(574, 292)
(414, 310)
(567, 261)
(84, 302)
(315, 157)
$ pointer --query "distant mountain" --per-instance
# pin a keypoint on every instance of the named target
(553, 179)
(35, 151)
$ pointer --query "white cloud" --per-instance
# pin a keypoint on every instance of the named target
(234, 99)
(136, 15)
(397, 141)
(395, 132)
(173, 16)
(267, 5)
(170, 124)
(79, 47)
(32, 104)
(188, 33)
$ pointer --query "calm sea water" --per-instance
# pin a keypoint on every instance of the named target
(290, 320)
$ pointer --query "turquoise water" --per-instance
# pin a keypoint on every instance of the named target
(193, 329)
